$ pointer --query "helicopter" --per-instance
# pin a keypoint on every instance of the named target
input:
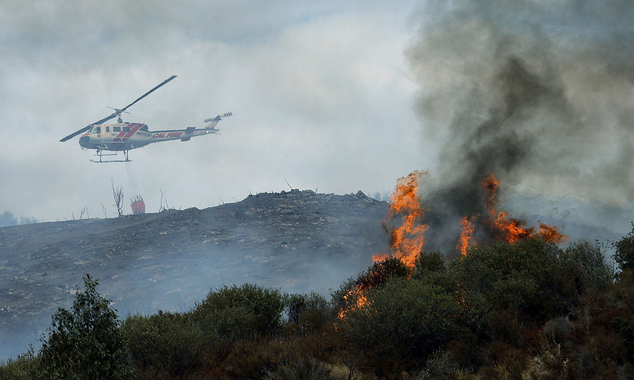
(123, 137)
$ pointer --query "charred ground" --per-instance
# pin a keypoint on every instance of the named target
(298, 241)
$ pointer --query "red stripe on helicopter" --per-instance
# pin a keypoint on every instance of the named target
(133, 130)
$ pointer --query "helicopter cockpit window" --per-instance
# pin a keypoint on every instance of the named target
(116, 129)
(126, 129)
(96, 130)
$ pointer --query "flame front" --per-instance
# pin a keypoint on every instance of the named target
(406, 241)
(509, 229)
(468, 228)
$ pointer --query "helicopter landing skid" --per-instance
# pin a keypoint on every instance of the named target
(100, 154)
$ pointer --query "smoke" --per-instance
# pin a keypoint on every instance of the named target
(538, 93)
(8, 219)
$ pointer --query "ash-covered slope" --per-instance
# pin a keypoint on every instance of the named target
(299, 241)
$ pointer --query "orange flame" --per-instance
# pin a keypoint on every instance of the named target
(406, 241)
(551, 234)
(467, 232)
(362, 301)
(510, 229)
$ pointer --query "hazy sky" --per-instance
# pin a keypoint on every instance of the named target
(321, 95)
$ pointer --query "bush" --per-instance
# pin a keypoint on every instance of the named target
(588, 265)
(536, 278)
(165, 344)
(401, 324)
(300, 369)
(239, 312)
(624, 255)
(429, 262)
(377, 275)
(308, 313)
(85, 342)
(18, 369)
(381, 272)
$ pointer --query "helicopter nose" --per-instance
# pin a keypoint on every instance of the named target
(84, 141)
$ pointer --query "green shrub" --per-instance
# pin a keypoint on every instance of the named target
(85, 342)
(300, 369)
(625, 328)
(377, 275)
(624, 255)
(253, 358)
(18, 369)
(401, 324)
(308, 313)
(239, 312)
(166, 344)
(438, 367)
(381, 272)
(588, 264)
(536, 278)
(429, 262)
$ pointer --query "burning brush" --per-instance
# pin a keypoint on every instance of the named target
(406, 240)
(500, 226)
(407, 237)
(510, 229)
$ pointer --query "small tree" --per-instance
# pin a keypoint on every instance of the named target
(117, 194)
(624, 256)
(85, 342)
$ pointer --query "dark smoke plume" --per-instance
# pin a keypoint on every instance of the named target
(541, 94)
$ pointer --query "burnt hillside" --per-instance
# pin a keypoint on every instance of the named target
(298, 241)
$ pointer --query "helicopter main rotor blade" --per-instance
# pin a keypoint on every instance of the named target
(88, 127)
(116, 113)
(76, 133)
(146, 94)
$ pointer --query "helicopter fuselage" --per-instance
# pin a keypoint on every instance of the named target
(128, 136)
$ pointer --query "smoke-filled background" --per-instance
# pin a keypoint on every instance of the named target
(329, 96)
(320, 93)
(538, 93)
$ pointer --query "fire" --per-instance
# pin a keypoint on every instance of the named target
(467, 232)
(551, 234)
(361, 301)
(406, 241)
(510, 229)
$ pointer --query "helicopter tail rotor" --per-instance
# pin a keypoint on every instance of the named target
(213, 121)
